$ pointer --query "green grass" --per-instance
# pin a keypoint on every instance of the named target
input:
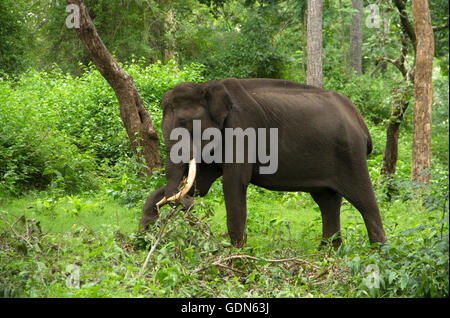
(98, 235)
(66, 214)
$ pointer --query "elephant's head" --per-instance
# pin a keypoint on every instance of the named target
(207, 104)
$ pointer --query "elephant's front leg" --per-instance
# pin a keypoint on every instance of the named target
(149, 211)
(235, 190)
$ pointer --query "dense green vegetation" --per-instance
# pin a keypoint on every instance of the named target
(71, 194)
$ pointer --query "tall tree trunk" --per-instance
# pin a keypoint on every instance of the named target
(385, 22)
(304, 42)
(356, 38)
(137, 121)
(423, 91)
(390, 154)
(170, 20)
(314, 33)
(399, 107)
(344, 49)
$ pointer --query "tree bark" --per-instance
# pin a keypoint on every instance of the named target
(304, 43)
(399, 106)
(314, 74)
(356, 38)
(170, 20)
(390, 154)
(406, 25)
(135, 117)
(344, 49)
(423, 92)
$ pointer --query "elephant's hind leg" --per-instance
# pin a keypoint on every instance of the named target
(329, 203)
(361, 195)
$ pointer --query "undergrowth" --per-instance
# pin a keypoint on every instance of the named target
(193, 258)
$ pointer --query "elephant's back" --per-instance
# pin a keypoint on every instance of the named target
(319, 132)
(309, 120)
(283, 101)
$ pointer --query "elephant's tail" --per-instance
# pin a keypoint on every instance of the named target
(369, 144)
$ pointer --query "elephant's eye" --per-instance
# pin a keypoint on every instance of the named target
(182, 121)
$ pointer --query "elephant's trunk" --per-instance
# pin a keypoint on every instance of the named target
(186, 185)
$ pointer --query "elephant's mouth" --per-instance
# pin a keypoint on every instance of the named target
(186, 185)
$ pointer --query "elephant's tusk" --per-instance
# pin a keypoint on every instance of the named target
(185, 189)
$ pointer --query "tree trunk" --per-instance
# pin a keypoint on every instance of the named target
(304, 43)
(314, 33)
(170, 20)
(399, 107)
(385, 22)
(344, 49)
(423, 92)
(356, 38)
(405, 24)
(137, 121)
(390, 154)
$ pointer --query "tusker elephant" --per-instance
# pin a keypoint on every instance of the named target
(320, 145)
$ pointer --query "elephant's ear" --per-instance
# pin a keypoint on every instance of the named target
(218, 101)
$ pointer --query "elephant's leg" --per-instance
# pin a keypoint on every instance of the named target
(359, 192)
(149, 212)
(235, 191)
(329, 203)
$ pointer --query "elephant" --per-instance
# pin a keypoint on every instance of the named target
(322, 148)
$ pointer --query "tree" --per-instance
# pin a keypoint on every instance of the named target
(344, 49)
(399, 106)
(137, 121)
(356, 38)
(314, 74)
(401, 102)
(423, 91)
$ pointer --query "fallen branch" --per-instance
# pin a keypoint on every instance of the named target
(253, 258)
(22, 218)
(161, 234)
(17, 234)
(231, 268)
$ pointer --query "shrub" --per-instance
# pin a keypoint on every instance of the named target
(57, 130)
(33, 153)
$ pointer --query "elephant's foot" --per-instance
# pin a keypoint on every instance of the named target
(378, 236)
(236, 242)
